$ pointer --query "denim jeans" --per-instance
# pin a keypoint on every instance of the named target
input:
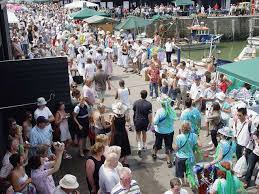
(252, 160)
(153, 86)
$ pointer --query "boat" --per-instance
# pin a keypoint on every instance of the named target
(253, 41)
(249, 52)
(200, 37)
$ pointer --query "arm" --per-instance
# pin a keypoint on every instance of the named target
(58, 118)
(89, 173)
(109, 84)
(16, 186)
(50, 117)
(87, 101)
(76, 121)
(59, 152)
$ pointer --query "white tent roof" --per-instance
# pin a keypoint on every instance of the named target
(12, 19)
(80, 4)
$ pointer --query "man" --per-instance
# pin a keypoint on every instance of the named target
(108, 176)
(88, 93)
(100, 79)
(153, 74)
(196, 91)
(142, 118)
(208, 97)
(67, 185)
(243, 132)
(169, 50)
(182, 75)
(126, 184)
(41, 135)
(43, 110)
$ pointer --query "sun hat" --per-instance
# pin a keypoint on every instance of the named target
(69, 182)
(119, 108)
(226, 131)
(221, 96)
(41, 101)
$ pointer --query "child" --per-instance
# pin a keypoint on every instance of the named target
(122, 95)
(164, 82)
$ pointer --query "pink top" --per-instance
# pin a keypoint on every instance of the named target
(43, 183)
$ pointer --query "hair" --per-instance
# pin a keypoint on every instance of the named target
(15, 159)
(27, 115)
(35, 162)
(42, 150)
(143, 94)
(163, 75)
(188, 102)
(121, 83)
(97, 148)
(221, 173)
(242, 110)
(59, 104)
(183, 63)
(99, 66)
(216, 106)
(102, 138)
(175, 181)
(185, 130)
(111, 156)
(75, 92)
(114, 149)
(124, 171)
(10, 121)
(89, 60)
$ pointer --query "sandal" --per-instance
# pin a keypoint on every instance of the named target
(169, 164)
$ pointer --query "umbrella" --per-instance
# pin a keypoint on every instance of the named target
(97, 19)
(133, 22)
(86, 13)
(12, 19)
(80, 4)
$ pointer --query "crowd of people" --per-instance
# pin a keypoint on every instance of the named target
(35, 152)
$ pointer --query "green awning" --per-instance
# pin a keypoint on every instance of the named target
(183, 2)
(99, 20)
(161, 17)
(247, 71)
(86, 13)
(133, 22)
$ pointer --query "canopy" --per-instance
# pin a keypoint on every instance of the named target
(133, 22)
(161, 17)
(183, 2)
(96, 19)
(80, 4)
(12, 19)
(86, 13)
(246, 71)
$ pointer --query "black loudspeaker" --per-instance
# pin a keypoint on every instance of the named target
(5, 42)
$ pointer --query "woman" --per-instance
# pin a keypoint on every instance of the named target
(61, 123)
(185, 145)
(192, 115)
(119, 135)
(125, 52)
(42, 170)
(92, 166)
(214, 119)
(225, 149)
(226, 183)
(81, 118)
(225, 107)
(101, 126)
(15, 131)
(18, 178)
(81, 58)
(27, 126)
(164, 121)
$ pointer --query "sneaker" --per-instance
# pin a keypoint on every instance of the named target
(169, 164)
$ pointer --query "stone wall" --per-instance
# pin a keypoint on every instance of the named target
(232, 27)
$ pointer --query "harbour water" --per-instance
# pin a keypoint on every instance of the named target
(228, 51)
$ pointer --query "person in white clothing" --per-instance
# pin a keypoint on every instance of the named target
(196, 92)
(122, 95)
(81, 59)
(176, 184)
(169, 49)
(90, 68)
(43, 110)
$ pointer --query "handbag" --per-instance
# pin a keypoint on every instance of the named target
(241, 167)
(77, 78)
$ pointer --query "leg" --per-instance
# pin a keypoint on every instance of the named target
(80, 143)
(252, 160)
(158, 144)
(156, 89)
(183, 94)
(151, 89)
(214, 140)
(168, 148)
(138, 138)
(144, 138)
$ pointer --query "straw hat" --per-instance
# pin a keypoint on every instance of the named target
(119, 108)
(41, 101)
(221, 96)
(69, 182)
(226, 131)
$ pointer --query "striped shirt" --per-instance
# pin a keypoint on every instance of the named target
(134, 189)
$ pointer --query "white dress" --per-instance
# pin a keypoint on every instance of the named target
(81, 58)
(65, 134)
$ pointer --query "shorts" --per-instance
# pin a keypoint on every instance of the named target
(168, 139)
(140, 125)
(100, 94)
(180, 167)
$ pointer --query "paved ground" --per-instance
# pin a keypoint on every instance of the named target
(152, 176)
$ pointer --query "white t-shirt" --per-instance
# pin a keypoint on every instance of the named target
(168, 47)
(241, 132)
(123, 96)
(196, 91)
(182, 191)
(183, 74)
(45, 112)
(108, 178)
(89, 93)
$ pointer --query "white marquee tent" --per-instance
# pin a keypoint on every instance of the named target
(80, 4)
